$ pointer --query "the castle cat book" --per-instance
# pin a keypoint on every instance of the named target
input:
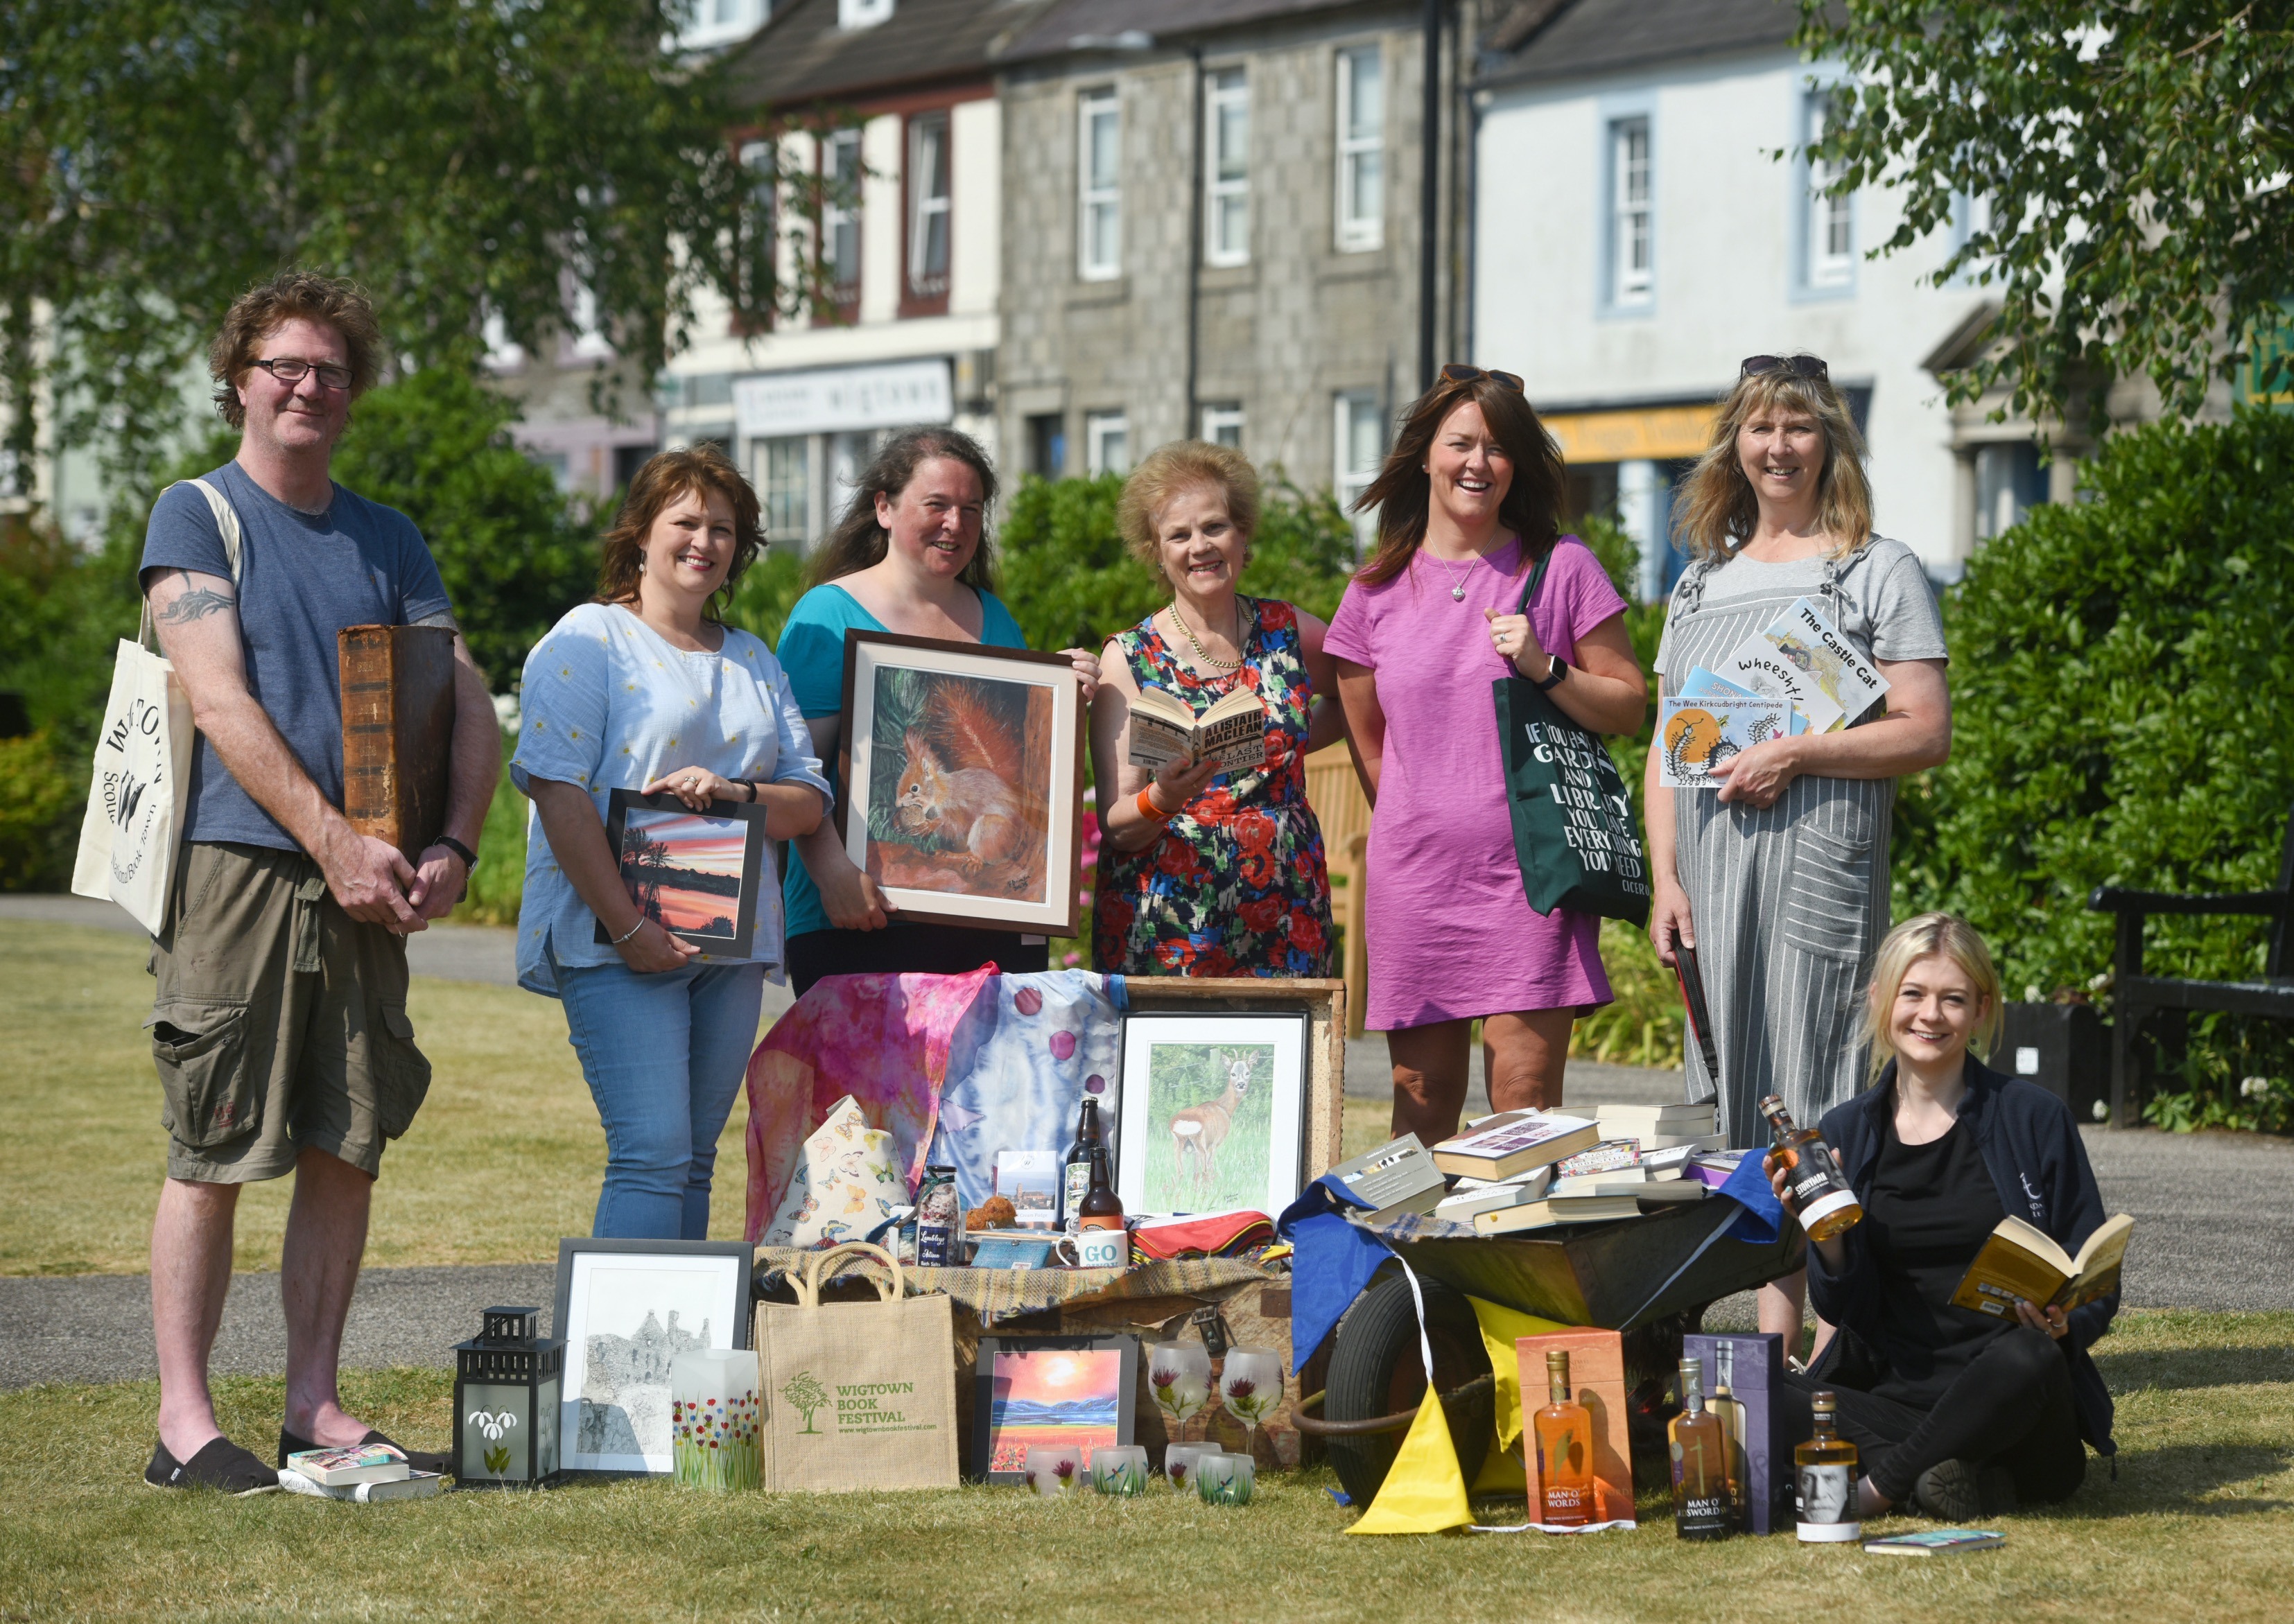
(2019, 1260)
(1803, 658)
(1232, 732)
(398, 731)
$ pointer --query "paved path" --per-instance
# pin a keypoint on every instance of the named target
(2214, 1223)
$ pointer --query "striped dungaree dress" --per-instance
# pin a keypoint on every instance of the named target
(1789, 903)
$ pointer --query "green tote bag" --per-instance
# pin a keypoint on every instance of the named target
(1573, 819)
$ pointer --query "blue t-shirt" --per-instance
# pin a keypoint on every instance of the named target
(812, 654)
(303, 577)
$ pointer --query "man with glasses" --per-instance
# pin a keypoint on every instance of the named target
(279, 1027)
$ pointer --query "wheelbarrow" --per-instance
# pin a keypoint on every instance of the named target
(1650, 1278)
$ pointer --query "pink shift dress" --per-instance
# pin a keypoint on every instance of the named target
(1451, 936)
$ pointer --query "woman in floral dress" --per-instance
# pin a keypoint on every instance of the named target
(1204, 873)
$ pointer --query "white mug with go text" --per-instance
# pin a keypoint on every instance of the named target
(1102, 1248)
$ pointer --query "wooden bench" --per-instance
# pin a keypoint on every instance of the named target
(2140, 997)
(1343, 810)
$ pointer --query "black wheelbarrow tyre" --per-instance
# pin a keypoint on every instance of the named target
(1378, 1336)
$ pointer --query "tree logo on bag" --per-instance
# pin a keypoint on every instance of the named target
(803, 1390)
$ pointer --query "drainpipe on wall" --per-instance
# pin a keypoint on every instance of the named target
(1430, 204)
(1191, 427)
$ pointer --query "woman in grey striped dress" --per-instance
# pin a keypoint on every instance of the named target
(1780, 880)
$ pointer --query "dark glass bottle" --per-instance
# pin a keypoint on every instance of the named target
(1100, 1209)
(1075, 1170)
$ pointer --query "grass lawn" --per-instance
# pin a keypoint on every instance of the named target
(2196, 1526)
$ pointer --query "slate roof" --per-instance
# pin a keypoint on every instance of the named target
(802, 56)
(1582, 39)
(1065, 20)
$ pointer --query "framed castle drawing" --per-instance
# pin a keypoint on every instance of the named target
(625, 1310)
(1213, 1111)
(961, 780)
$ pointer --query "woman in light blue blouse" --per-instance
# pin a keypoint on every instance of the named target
(644, 689)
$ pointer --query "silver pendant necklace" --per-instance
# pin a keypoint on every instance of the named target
(1458, 587)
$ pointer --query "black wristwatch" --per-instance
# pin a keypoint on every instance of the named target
(470, 859)
(1553, 677)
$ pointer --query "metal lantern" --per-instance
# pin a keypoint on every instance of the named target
(507, 1382)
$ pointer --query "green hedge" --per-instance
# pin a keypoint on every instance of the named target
(2122, 682)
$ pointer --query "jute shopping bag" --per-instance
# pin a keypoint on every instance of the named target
(138, 794)
(857, 1395)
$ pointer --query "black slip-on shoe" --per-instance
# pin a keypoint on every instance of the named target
(420, 1460)
(221, 1464)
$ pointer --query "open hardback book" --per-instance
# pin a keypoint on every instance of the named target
(1232, 732)
(2020, 1260)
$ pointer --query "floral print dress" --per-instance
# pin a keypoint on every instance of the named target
(1236, 884)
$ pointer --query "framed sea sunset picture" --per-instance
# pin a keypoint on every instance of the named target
(1046, 1391)
(703, 876)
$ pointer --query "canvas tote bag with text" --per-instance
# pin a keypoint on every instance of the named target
(1573, 821)
(857, 1395)
(136, 797)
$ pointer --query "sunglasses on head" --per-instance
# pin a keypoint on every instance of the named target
(1458, 372)
(1799, 366)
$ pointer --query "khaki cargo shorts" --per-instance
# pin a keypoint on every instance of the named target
(280, 1023)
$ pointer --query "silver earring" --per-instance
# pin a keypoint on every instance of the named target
(641, 564)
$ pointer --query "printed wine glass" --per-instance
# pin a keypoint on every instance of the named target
(1179, 1375)
(1251, 1384)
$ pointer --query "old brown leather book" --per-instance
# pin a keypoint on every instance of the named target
(398, 731)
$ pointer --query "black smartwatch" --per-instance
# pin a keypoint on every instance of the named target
(470, 859)
(1553, 677)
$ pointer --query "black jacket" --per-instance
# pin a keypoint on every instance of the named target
(2032, 1147)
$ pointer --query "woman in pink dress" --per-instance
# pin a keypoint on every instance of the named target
(1467, 503)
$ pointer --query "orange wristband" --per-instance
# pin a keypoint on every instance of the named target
(1149, 810)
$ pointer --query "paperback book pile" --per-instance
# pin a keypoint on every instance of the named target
(1528, 1170)
(362, 1472)
(1661, 1127)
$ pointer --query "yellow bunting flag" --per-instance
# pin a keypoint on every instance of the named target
(1424, 1493)
(1500, 1328)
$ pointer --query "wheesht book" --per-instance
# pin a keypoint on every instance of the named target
(705, 877)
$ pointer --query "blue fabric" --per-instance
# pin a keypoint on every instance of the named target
(303, 577)
(610, 704)
(1019, 1066)
(664, 1055)
(1749, 1188)
(2039, 1167)
(812, 651)
(1331, 1261)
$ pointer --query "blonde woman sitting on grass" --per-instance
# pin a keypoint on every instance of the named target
(1955, 1414)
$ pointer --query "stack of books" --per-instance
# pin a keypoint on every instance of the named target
(362, 1472)
(1660, 1127)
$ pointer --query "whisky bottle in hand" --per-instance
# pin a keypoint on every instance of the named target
(1702, 1505)
(1819, 1189)
(1564, 1434)
(1824, 1471)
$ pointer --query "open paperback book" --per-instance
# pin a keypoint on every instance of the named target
(1232, 733)
(2020, 1260)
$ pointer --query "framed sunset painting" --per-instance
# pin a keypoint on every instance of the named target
(705, 877)
(1049, 1391)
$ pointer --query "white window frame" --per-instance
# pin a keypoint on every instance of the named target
(1632, 212)
(853, 14)
(924, 209)
(1827, 223)
(1361, 152)
(1352, 410)
(1099, 428)
(785, 495)
(1098, 198)
(834, 218)
(1222, 424)
(1227, 172)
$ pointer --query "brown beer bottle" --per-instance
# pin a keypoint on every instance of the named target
(1827, 1206)
(1100, 1209)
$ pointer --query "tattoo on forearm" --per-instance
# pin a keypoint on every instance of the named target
(195, 604)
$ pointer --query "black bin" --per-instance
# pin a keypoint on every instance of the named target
(2062, 1047)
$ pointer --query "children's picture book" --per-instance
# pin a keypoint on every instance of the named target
(1701, 734)
(1703, 684)
(1928, 1541)
(2020, 1260)
(1232, 732)
(1512, 1142)
(1803, 656)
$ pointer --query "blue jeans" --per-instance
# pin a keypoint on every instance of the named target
(664, 1054)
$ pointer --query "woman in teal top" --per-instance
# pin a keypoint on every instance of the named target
(910, 555)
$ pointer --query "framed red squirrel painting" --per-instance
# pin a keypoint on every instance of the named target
(961, 781)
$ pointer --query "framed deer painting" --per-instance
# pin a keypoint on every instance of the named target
(1213, 1113)
(961, 780)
